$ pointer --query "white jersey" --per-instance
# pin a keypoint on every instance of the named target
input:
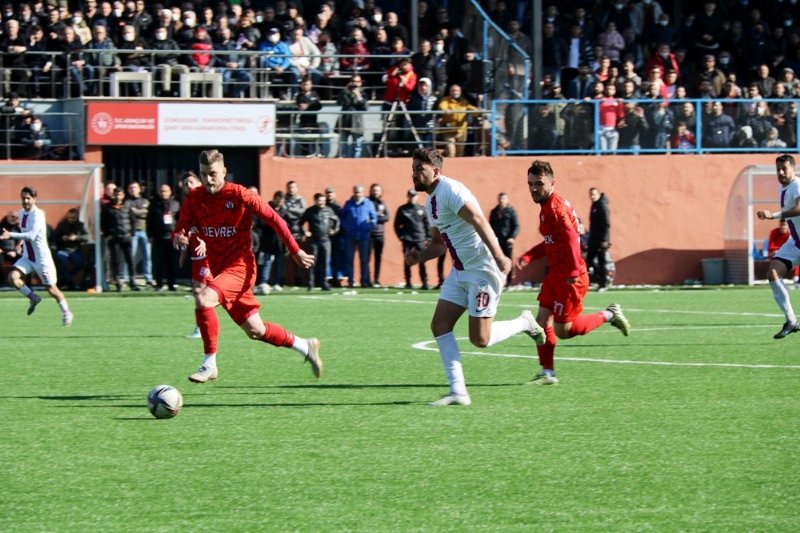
(466, 248)
(34, 233)
(789, 196)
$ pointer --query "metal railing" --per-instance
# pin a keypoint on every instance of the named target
(62, 130)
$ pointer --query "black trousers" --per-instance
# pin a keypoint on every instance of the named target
(423, 272)
(376, 250)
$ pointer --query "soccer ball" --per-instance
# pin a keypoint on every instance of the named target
(164, 401)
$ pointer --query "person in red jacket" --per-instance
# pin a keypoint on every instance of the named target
(221, 214)
(201, 46)
(567, 279)
(400, 83)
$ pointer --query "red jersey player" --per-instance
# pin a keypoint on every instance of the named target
(567, 278)
(222, 214)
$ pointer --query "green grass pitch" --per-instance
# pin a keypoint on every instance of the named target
(690, 424)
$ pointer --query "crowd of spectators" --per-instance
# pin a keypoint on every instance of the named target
(613, 52)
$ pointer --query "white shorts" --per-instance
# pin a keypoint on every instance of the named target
(789, 252)
(478, 291)
(45, 270)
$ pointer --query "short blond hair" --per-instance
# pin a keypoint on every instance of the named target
(209, 157)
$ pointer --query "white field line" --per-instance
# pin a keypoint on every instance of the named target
(429, 346)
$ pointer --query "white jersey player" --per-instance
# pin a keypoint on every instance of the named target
(478, 275)
(788, 256)
(36, 257)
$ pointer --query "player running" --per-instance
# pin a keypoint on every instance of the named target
(788, 256)
(36, 255)
(567, 278)
(478, 274)
(222, 214)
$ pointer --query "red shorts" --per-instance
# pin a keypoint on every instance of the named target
(235, 289)
(564, 300)
(201, 272)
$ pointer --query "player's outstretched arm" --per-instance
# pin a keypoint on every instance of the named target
(303, 259)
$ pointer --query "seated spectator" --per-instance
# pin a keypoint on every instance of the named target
(167, 67)
(356, 46)
(454, 122)
(200, 60)
(380, 50)
(131, 52)
(791, 83)
(275, 60)
(82, 29)
(69, 237)
(246, 34)
(14, 45)
(36, 141)
(41, 77)
(68, 63)
(329, 52)
(306, 57)
(398, 49)
(233, 66)
(14, 114)
(101, 60)
(787, 125)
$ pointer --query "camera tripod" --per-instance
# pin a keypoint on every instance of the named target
(388, 125)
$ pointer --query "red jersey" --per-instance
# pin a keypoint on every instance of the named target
(558, 224)
(223, 221)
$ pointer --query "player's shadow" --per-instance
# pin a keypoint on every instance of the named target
(345, 386)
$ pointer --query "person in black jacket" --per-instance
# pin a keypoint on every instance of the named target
(350, 126)
(162, 215)
(505, 224)
(116, 222)
(599, 238)
(412, 228)
(322, 225)
(69, 237)
(376, 238)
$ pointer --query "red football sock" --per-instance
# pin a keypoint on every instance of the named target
(277, 336)
(586, 323)
(547, 351)
(208, 322)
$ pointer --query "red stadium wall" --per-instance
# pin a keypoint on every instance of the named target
(667, 212)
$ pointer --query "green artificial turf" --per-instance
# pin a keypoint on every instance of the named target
(692, 423)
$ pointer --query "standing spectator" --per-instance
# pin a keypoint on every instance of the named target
(162, 217)
(378, 234)
(338, 248)
(718, 128)
(711, 74)
(612, 112)
(69, 237)
(13, 45)
(400, 82)
(309, 103)
(664, 60)
(504, 223)
(764, 81)
(791, 83)
(295, 207)
(274, 249)
(116, 223)
(322, 225)
(708, 29)
(554, 51)
(350, 126)
(612, 42)
(660, 121)
(454, 121)
(394, 28)
(421, 105)
(633, 127)
(140, 245)
(423, 59)
(358, 220)
(599, 238)
(580, 87)
(412, 228)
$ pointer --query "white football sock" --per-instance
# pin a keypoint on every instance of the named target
(451, 360)
(64, 306)
(505, 329)
(210, 360)
(301, 345)
(608, 314)
(781, 296)
(26, 291)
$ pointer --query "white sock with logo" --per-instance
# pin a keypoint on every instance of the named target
(781, 295)
(505, 329)
(210, 360)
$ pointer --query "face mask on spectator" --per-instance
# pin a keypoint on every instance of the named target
(77, 20)
(663, 22)
(36, 127)
(724, 60)
(438, 48)
(378, 18)
(788, 22)
(618, 6)
(274, 38)
(129, 37)
(259, 19)
(176, 17)
(664, 55)
(189, 22)
(161, 36)
(117, 13)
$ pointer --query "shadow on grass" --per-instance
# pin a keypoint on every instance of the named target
(360, 386)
